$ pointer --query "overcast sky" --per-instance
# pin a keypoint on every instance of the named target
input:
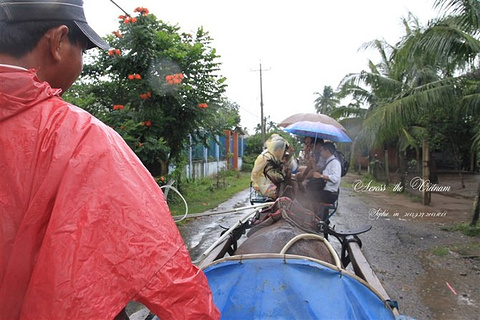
(302, 45)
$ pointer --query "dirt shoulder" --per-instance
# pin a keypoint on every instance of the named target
(431, 272)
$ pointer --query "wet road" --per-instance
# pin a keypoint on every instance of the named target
(200, 233)
(392, 246)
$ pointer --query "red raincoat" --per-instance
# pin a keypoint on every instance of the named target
(84, 227)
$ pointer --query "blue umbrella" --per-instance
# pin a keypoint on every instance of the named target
(318, 130)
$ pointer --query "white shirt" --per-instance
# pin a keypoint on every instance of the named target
(334, 172)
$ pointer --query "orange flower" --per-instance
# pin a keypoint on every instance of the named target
(121, 17)
(118, 107)
(148, 123)
(117, 34)
(174, 78)
(140, 144)
(129, 19)
(112, 52)
(145, 96)
(142, 10)
(202, 105)
(169, 79)
(135, 76)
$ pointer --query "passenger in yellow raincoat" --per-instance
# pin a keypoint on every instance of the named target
(272, 160)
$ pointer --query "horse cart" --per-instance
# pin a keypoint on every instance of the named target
(276, 263)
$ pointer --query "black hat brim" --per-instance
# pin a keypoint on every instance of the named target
(94, 39)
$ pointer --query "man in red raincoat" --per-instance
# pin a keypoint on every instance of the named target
(84, 228)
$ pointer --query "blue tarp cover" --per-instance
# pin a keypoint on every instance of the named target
(270, 288)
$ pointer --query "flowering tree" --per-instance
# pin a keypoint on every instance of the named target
(156, 86)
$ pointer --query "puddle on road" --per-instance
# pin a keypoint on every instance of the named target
(200, 233)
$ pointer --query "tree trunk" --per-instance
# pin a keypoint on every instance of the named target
(476, 208)
(403, 169)
(433, 170)
(426, 171)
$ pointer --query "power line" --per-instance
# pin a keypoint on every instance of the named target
(120, 8)
(262, 119)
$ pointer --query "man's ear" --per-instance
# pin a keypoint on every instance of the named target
(58, 42)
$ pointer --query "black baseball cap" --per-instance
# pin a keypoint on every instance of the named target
(49, 10)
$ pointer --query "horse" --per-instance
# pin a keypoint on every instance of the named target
(274, 228)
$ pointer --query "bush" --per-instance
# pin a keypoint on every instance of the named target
(247, 164)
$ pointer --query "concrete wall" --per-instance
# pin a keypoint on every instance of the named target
(200, 168)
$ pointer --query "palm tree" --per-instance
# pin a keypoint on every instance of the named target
(452, 43)
(373, 88)
(326, 102)
(436, 68)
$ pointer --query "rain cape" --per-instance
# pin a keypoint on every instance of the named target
(84, 227)
(275, 150)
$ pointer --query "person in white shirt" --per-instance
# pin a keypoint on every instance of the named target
(326, 181)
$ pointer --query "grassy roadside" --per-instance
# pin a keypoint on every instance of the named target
(207, 193)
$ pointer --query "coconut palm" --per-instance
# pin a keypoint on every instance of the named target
(326, 102)
(373, 88)
(437, 73)
(452, 42)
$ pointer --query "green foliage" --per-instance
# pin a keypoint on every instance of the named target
(254, 143)
(441, 251)
(247, 163)
(327, 101)
(164, 85)
(425, 87)
(206, 194)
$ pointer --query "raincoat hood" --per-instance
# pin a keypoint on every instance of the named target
(275, 149)
(84, 227)
(276, 146)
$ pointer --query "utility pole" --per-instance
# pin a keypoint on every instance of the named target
(262, 119)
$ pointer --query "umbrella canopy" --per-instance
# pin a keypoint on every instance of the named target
(318, 130)
(315, 117)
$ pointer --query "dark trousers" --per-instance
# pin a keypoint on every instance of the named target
(319, 207)
(328, 196)
(319, 197)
